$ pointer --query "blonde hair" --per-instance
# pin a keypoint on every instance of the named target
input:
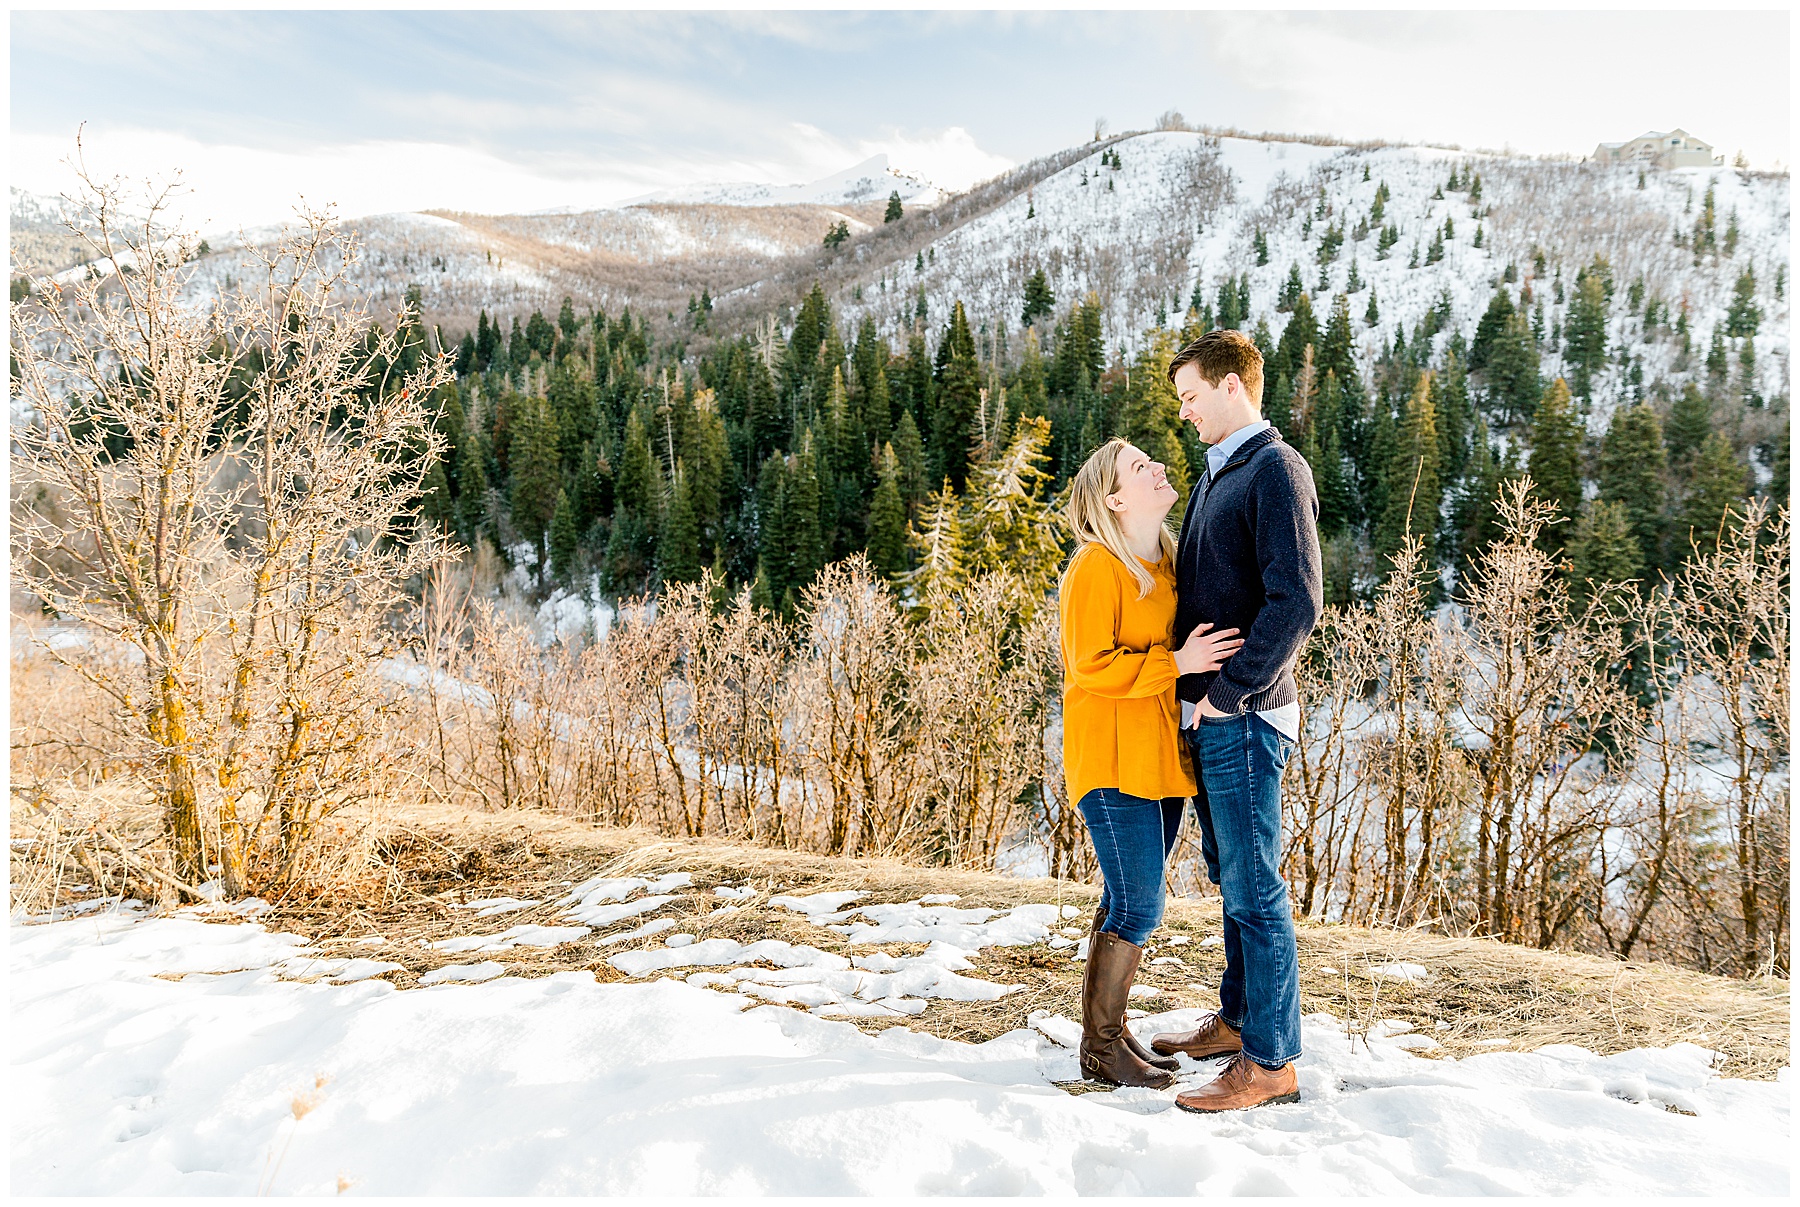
(1094, 523)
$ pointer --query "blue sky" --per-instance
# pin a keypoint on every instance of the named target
(527, 110)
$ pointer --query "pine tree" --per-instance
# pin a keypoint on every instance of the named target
(1260, 243)
(1011, 526)
(1514, 385)
(638, 487)
(1555, 464)
(1414, 485)
(1747, 375)
(1744, 316)
(678, 552)
(937, 546)
(1372, 313)
(772, 527)
(894, 210)
(1354, 283)
(1474, 517)
(1230, 317)
(1331, 478)
(1584, 333)
(1151, 415)
(1040, 301)
(1302, 329)
(436, 507)
(1602, 551)
(1634, 475)
(1489, 329)
(1718, 364)
(564, 538)
(1690, 422)
(1716, 486)
(909, 454)
(804, 530)
(535, 463)
(958, 389)
(1291, 290)
(1337, 347)
(1455, 416)
(887, 518)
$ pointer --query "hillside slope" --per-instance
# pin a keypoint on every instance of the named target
(1183, 210)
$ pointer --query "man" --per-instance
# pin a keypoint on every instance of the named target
(1248, 559)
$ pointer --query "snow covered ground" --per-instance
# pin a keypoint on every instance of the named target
(176, 1055)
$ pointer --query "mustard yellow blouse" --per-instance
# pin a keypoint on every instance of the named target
(1121, 725)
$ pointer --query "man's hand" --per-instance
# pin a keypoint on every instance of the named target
(1205, 707)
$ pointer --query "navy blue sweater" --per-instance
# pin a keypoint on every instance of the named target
(1249, 560)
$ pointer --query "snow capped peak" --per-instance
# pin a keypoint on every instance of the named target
(871, 180)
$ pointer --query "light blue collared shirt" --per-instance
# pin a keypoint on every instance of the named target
(1220, 453)
(1286, 719)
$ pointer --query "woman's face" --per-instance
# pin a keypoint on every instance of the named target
(1143, 490)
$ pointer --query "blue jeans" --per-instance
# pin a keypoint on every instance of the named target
(1132, 836)
(1238, 762)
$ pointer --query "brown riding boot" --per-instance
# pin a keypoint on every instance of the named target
(1105, 1056)
(1243, 1084)
(1131, 1041)
(1213, 1037)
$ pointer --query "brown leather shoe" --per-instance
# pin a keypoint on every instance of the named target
(1105, 1056)
(1138, 1050)
(1213, 1037)
(1243, 1084)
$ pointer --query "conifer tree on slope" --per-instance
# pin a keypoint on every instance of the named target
(1584, 334)
(1010, 524)
(678, 553)
(1414, 487)
(535, 462)
(565, 538)
(887, 518)
(1555, 464)
(1716, 486)
(937, 546)
(1690, 422)
(1744, 316)
(1634, 473)
(1602, 551)
(1040, 299)
(909, 461)
(958, 390)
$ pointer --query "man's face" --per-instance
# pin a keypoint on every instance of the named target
(1212, 409)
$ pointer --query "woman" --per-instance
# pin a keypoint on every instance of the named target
(1123, 757)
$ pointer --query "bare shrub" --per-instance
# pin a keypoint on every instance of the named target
(223, 490)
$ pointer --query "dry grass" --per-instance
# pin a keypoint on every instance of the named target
(1483, 990)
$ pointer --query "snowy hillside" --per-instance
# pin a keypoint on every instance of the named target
(1144, 221)
(1183, 211)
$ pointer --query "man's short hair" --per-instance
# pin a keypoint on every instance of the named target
(1220, 352)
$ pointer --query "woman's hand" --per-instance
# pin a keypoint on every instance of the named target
(1203, 651)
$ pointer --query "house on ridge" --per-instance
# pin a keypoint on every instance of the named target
(1660, 148)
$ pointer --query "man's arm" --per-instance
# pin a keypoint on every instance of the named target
(1286, 526)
